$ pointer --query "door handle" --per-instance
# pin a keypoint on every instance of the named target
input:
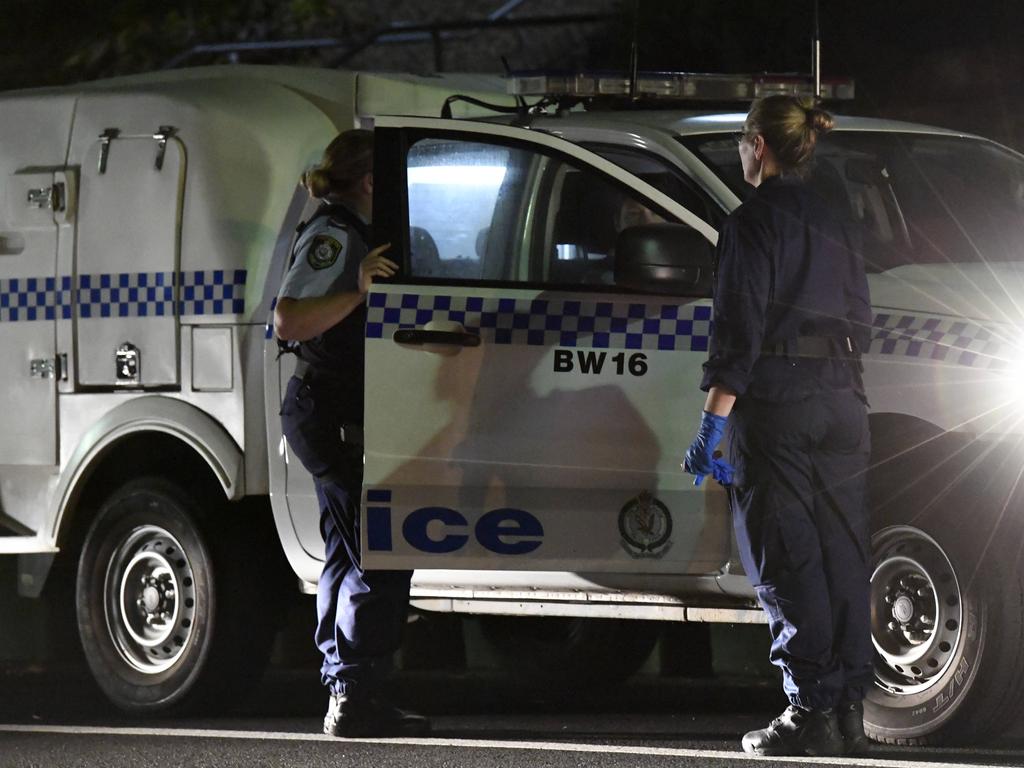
(420, 337)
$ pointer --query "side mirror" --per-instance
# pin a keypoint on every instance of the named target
(664, 258)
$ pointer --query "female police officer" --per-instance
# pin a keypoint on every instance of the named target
(791, 309)
(321, 305)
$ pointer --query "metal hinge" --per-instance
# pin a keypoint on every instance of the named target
(108, 135)
(51, 197)
(163, 133)
(49, 367)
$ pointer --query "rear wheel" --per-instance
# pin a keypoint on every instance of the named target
(164, 613)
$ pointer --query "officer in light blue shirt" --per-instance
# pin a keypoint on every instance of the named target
(321, 311)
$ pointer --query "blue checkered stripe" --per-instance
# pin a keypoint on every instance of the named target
(945, 340)
(213, 292)
(548, 322)
(136, 294)
(34, 298)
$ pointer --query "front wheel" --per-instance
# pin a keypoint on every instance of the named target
(160, 602)
(947, 633)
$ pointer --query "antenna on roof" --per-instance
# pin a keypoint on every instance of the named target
(816, 54)
(634, 52)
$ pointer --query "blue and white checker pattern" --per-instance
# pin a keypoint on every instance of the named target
(943, 340)
(144, 294)
(548, 322)
(130, 294)
(213, 292)
(669, 327)
(34, 298)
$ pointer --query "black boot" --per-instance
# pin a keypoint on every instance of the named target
(851, 726)
(351, 717)
(797, 732)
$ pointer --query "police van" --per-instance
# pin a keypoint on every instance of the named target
(532, 372)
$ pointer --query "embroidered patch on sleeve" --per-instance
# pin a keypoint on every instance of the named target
(323, 252)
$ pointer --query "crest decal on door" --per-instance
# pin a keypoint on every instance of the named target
(646, 526)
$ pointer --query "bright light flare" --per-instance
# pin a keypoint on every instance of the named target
(1011, 377)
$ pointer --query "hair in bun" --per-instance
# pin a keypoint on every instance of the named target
(819, 120)
(347, 159)
(317, 182)
(790, 126)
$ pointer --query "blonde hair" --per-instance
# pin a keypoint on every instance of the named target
(790, 126)
(346, 160)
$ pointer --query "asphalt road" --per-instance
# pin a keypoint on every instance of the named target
(55, 718)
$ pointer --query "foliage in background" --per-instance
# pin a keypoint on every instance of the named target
(954, 64)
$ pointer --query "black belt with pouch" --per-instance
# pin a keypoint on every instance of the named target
(351, 432)
(812, 346)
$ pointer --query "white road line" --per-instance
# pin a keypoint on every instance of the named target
(195, 733)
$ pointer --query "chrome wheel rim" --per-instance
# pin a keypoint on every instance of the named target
(150, 601)
(916, 610)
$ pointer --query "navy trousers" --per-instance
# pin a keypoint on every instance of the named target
(360, 614)
(800, 514)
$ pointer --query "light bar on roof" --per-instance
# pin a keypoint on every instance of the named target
(678, 86)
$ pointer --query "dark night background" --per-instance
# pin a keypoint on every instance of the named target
(953, 64)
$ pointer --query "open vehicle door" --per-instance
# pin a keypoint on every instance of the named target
(522, 412)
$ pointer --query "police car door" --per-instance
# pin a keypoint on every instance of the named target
(521, 411)
(34, 211)
(129, 290)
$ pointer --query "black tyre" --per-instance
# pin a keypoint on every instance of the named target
(160, 602)
(575, 653)
(947, 604)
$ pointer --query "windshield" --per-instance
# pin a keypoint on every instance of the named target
(920, 199)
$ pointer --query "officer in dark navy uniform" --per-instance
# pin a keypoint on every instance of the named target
(791, 312)
(321, 305)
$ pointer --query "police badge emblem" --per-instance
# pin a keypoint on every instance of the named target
(645, 525)
(323, 252)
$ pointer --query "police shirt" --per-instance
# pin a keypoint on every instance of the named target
(327, 254)
(786, 266)
(326, 260)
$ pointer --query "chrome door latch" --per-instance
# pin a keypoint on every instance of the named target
(127, 360)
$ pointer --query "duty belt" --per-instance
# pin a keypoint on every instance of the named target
(812, 346)
(351, 432)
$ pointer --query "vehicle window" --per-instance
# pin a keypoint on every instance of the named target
(460, 193)
(662, 176)
(480, 211)
(578, 223)
(919, 199)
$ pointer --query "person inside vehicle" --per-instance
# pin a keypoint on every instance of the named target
(321, 305)
(791, 312)
(633, 213)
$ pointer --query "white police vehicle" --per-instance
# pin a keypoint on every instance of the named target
(531, 374)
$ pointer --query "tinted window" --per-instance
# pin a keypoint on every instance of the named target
(663, 177)
(919, 198)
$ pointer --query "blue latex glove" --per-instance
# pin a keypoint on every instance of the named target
(700, 457)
